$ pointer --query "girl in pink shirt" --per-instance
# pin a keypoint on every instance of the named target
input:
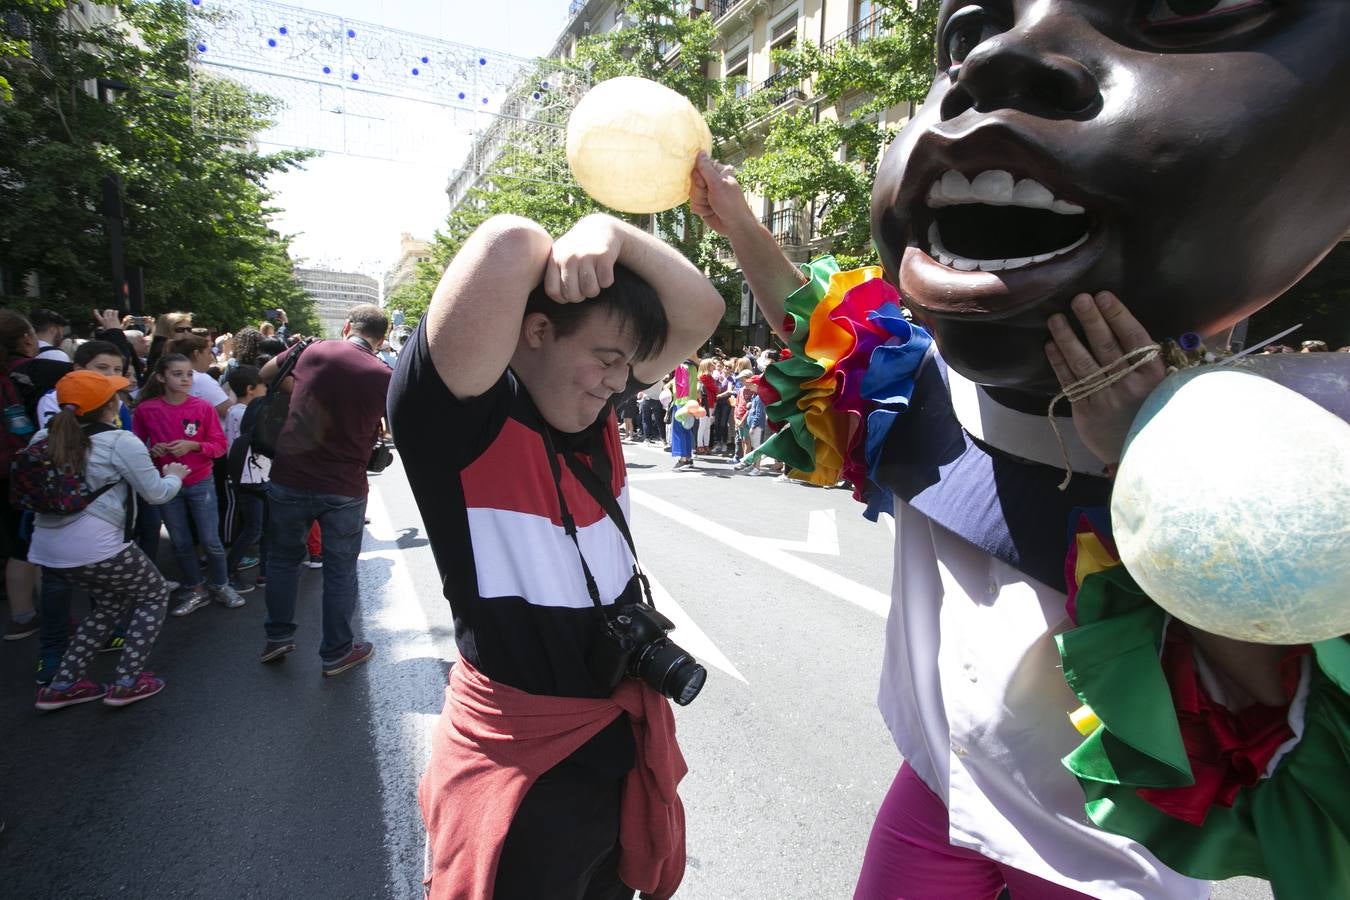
(181, 428)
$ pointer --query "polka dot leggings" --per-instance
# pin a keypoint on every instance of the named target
(127, 581)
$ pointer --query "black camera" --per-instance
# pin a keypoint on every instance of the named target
(634, 643)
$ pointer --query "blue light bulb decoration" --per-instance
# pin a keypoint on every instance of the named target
(545, 85)
(351, 32)
(536, 95)
(328, 70)
(271, 42)
(485, 100)
(461, 95)
(482, 61)
(282, 30)
(425, 60)
(201, 48)
(416, 71)
(356, 76)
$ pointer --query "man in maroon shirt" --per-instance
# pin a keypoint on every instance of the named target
(319, 474)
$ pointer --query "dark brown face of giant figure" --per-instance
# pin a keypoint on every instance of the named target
(1192, 156)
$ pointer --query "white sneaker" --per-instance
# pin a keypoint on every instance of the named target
(226, 596)
(194, 602)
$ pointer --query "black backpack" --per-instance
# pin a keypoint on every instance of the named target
(33, 378)
(260, 429)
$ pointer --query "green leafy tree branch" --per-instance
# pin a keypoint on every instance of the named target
(195, 204)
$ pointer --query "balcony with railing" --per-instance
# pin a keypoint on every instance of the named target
(719, 8)
(789, 227)
(575, 7)
(779, 88)
(862, 30)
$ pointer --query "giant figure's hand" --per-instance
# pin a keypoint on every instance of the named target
(1102, 419)
(716, 197)
(581, 263)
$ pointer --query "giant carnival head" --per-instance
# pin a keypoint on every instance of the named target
(1192, 156)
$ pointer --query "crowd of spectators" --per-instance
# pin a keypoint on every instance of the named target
(154, 419)
(728, 420)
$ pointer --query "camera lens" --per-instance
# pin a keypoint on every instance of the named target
(669, 669)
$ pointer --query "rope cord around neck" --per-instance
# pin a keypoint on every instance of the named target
(1093, 383)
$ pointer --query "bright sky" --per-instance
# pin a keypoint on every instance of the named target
(348, 212)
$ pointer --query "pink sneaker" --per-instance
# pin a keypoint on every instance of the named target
(82, 691)
(146, 685)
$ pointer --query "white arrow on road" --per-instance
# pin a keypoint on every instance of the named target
(766, 551)
(822, 536)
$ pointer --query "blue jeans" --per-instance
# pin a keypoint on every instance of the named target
(54, 607)
(149, 519)
(252, 506)
(290, 513)
(197, 502)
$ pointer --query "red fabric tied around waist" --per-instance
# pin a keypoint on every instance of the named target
(493, 741)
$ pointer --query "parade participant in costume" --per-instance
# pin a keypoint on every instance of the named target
(548, 777)
(685, 412)
(1187, 158)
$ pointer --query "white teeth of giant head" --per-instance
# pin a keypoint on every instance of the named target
(997, 188)
(994, 188)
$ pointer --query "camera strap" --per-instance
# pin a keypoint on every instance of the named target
(587, 478)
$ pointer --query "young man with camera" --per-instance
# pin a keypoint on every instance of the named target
(553, 771)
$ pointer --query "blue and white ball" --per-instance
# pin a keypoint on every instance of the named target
(1231, 506)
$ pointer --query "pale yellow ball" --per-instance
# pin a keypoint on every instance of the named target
(631, 144)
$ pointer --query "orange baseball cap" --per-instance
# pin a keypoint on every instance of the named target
(87, 390)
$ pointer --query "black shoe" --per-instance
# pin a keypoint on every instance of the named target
(274, 650)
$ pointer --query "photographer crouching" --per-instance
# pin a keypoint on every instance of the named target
(554, 766)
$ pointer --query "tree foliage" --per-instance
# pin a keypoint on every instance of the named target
(661, 42)
(833, 161)
(800, 158)
(195, 204)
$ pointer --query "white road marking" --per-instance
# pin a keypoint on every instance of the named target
(767, 551)
(394, 621)
(687, 633)
(822, 535)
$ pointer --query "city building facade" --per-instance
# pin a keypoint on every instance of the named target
(335, 294)
(411, 252)
(748, 31)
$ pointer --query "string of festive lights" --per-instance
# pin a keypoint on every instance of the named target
(343, 86)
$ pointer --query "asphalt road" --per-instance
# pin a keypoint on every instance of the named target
(243, 780)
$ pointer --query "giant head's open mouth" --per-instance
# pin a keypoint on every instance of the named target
(995, 223)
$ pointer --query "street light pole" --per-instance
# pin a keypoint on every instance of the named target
(112, 217)
(126, 295)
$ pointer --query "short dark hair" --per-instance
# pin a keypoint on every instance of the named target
(369, 321)
(43, 319)
(630, 297)
(242, 377)
(85, 353)
(193, 343)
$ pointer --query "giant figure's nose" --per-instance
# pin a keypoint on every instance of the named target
(1027, 68)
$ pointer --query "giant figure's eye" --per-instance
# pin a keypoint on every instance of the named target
(965, 30)
(1185, 12)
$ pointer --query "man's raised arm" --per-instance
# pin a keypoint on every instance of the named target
(693, 307)
(717, 199)
(474, 319)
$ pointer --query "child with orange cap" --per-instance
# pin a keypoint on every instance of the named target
(92, 549)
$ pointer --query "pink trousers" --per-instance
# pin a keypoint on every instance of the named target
(910, 858)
